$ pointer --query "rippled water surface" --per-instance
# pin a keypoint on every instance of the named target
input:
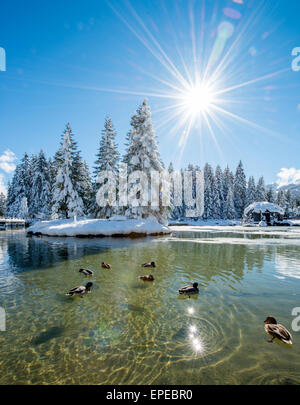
(131, 332)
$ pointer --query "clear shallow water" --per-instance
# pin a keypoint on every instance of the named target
(130, 332)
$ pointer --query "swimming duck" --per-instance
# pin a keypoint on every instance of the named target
(86, 272)
(189, 289)
(106, 265)
(147, 277)
(277, 331)
(152, 264)
(80, 290)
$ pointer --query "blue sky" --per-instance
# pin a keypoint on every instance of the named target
(78, 61)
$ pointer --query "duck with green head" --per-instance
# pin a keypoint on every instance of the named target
(151, 264)
(189, 289)
(80, 290)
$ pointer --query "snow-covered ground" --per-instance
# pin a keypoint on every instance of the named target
(293, 222)
(99, 227)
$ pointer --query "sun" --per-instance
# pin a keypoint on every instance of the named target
(197, 99)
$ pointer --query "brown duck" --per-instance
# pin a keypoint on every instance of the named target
(105, 265)
(277, 331)
(147, 277)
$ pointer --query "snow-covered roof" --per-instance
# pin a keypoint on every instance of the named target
(263, 206)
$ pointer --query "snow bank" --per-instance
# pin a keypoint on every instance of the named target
(99, 227)
(263, 206)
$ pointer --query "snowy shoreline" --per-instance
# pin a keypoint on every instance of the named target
(99, 227)
(206, 222)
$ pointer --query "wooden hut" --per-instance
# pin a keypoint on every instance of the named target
(263, 211)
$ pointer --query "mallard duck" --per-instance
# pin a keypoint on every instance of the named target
(152, 264)
(147, 277)
(189, 289)
(106, 265)
(277, 331)
(86, 272)
(80, 290)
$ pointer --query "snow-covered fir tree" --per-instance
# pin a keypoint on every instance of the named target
(261, 190)
(40, 195)
(239, 190)
(142, 154)
(208, 192)
(188, 200)
(23, 210)
(251, 191)
(52, 177)
(81, 180)
(175, 211)
(288, 202)
(2, 204)
(218, 186)
(280, 199)
(228, 180)
(271, 196)
(229, 208)
(19, 189)
(66, 201)
(107, 160)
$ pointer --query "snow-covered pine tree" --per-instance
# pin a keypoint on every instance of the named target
(52, 177)
(41, 188)
(261, 190)
(228, 180)
(251, 191)
(189, 204)
(289, 202)
(142, 154)
(208, 192)
(10, 197)
(280, 199)
(219, 191)
(23, 210)
(239, 190)
(229, 209)
(216, 203)
(81, 180)
(271, 195)
(66, 201)
(107, 160)
(19, 189)
(2, 204)
(173, 208)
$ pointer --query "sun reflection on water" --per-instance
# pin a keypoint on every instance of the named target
(195, 339)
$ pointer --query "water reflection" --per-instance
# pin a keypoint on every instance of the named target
(124, 334)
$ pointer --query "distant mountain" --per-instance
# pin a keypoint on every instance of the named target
(293, 187)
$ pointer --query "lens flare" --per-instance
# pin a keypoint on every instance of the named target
(197, 99)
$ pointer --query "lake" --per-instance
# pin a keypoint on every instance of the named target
(127, 331)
